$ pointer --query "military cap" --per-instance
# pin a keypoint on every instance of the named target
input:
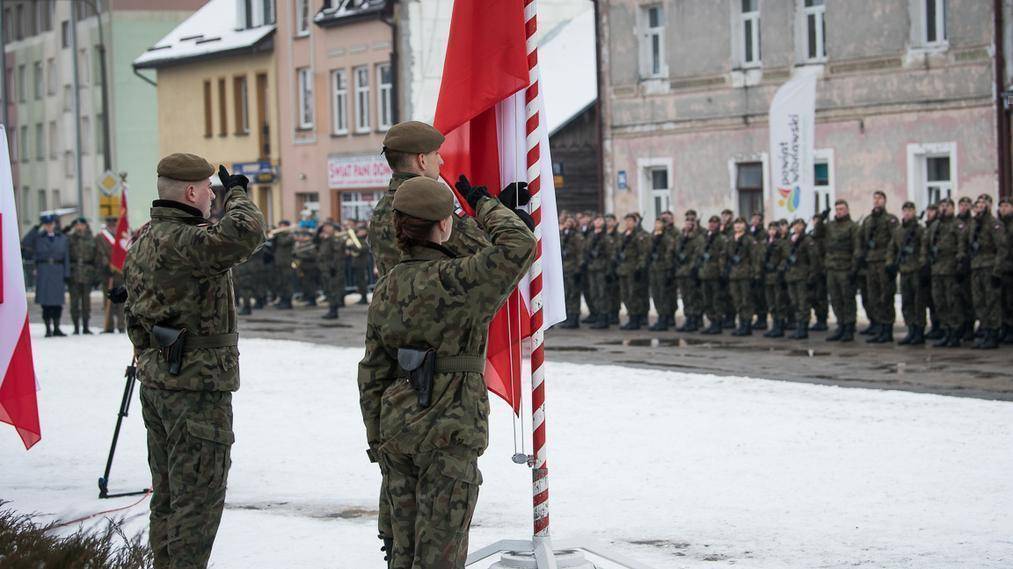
(424, 198)
(985, 198)
(965, 199)
(908, 205)
(47, 218)
(1007, 201)
(413, 137)
(185, 167)
(714, 219)
(83, 220)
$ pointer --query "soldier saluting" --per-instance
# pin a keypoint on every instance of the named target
(181, 319)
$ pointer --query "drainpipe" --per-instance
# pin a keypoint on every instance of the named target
(599, 108)
(1002, 116)
(395, 103)
(77, 108)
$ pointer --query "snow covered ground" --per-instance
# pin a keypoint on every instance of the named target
(673, 469)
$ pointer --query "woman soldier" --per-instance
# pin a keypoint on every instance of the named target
(421, 388)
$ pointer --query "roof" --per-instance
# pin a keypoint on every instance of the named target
(566, 62)
(345, 11)
(210, 31)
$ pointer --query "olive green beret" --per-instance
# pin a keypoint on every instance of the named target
(414, 137)
(424, 198)
(185, 167)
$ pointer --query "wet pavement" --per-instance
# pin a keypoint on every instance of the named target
(964, 372)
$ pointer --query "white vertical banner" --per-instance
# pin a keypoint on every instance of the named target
(792, 135)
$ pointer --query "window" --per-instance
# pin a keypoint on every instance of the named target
(13, 136)
(23, 151)
(823, 180)
(358, 206)
(305, 99)
(22, 83)
(223, 119)
(361, 99)
(19, 22)
(45, 17)
(938, 184)
(38, 78)
(254, 13)
(53, 143)
(40, 142)
(97, 66)
(660, 194)
(384, 102)
(931, 172)
(8, 24)
(85, 135)
(50, 77)
(240, 97)
(42, 201)
(652, 48)
(749, 33)
(64, 34)
(339, 107)
(749, 186)
(934, 22)
(302, 18)
(814, 26)
(82, 66)
(57, 202)
(208, 123)
(68, 164)
(100, 146)
(68, 98)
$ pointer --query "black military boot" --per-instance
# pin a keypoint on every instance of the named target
(801, 331)
(56, 328)
(820, 326)
(285, 303)
(77, 329)
(761, 322)
(967, 332)
(258, 303)
(849, 333)
(1009, 335)
(837, 335)
(935, 332)
(991, 339)
(49, 328)
(714, 328)
(601, 322)
(907, 338)
(332, 312)
(776, 329)
(945, 340)
(84, 327)
(871, 330)
(694, 324)
(363, 300)
(955, 338)
(660, 325)
(632, 323)
(245, 310)
(885, 335)
(592, 318)
(570, 323)
(919, 336)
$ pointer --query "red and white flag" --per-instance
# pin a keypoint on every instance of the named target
(18, 403)
(122, 239)
(496, 135)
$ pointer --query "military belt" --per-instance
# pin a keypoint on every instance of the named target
(213, 341)
(460, 364)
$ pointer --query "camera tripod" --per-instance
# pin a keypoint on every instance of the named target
(128, 393)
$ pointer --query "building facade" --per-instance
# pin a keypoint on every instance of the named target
(51, 124)
(216, 92)
(905, 103)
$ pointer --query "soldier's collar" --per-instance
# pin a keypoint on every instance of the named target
(174, 209)
(399, 178)
(427, 251)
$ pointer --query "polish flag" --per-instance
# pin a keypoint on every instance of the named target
(18, 404)
(495, 130)
(122, 239)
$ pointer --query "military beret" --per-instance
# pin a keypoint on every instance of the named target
(908, 205)
(81, 220)
(965, 199)
(714, 219)
(185, 167)
(414, 137)
(985, 197)
(424, 198)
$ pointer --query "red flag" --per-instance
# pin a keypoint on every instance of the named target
(486, 64)
(119, 253)
(18, 404)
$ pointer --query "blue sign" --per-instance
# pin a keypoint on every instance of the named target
(260, 172)
(621, 180)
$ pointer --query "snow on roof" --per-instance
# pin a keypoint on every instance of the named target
(566, 61)
(208, 31)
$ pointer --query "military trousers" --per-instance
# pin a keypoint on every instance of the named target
(361, 270)
(1007, 298)
(741, 291)
(776, 298)
(711, 291)
(987, 298)
(571, 293)
(760, 301)
(863, 290)
(819, 298)
(309, 281)
(692, 303)
(80, 301)
(189, 453)
(912, 299)
(881, 289)
(587, 293)
(431, 498)
(801, 301)
(842, 296)
(947, 297)
(597, 287)
(966, 288)
(283, 281)
(725, 300)
(334, 286)
(633, 293)
(661, 292)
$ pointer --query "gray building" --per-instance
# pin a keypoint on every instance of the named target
(906, 102)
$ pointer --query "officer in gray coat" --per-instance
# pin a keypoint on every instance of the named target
(52, 269)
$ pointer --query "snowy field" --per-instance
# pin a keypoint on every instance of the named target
(672, 469)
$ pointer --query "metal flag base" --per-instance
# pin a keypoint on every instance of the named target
(541, 554)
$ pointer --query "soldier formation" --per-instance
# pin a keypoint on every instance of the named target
(954, 267)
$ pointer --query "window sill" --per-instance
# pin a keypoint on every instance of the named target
(304, 128)
(301, 35)
(340, 134)
(365, 131)
(247, 133)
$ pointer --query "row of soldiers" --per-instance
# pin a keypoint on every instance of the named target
(957, 266)
(304, 262)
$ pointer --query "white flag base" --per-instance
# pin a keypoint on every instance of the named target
(540, 554)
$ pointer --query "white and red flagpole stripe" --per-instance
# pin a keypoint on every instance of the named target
(539, 473)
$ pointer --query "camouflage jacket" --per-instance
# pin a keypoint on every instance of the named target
(178, 274)
(770, 254)
(687, 251)
(711, 259)
(434, 299)
(662, 255)
(1005, 264)
(85, 259)
(633, 252)
(877, 232)
(842, 245)
(283, 247)
(466, 238)
(939, 247)
(741, 258)
(984, 243)
(305, 254)
(331, 254)
(571, 245)
(801, 260)
(905, 247)
(598, 251)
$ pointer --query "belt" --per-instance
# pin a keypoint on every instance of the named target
(460, 364)
(213, 341)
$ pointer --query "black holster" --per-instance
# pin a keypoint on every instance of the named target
(420, 366)
(170, 344)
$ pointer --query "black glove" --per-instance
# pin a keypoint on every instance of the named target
(515, 195)
(472, 194)
(526, 218)
(118, 295)
(230, 181)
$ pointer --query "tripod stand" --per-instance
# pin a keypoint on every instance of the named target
(128, 393)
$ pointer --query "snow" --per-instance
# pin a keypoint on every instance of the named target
(211, 29)
(672, 469)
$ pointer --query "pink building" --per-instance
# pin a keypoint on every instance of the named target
(336, 101)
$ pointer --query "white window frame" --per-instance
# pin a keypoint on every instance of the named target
(39, 81)
(942, 38)
(50, 77)
(384, 99)
(648, 37)
(362, 119)
(53, 144)
(739, 21)
(304, 97)
(339, 102)
(85, 135)
(825, 155)
(733, 172)
(820, 13)
(40, 142)
(917, 169)
(302, 18)
(646, 191)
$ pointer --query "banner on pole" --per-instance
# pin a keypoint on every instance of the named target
(792, 134)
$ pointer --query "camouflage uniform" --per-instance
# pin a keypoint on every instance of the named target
(709, 265)
(771, 253)
(662, 278)
(741, 272)
(178, 275)
(985, 243)
(429, 456)
(85, 262)
(631, 268)
(111, 278)
(759, 235)
(361, 267)
(821, 306)
(571, 244)
(687, 250)
(284, 244)
(843, 247)
(939, 251)
(331, 260)
(877, 232)
(800, 266)
(904, 257)
(964, 284)
(305, 254)
(598, 258)
(615, 293)
(1005, 267)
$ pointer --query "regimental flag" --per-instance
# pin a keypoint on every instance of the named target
(122, 239)
(18, 403)
(483, 111)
